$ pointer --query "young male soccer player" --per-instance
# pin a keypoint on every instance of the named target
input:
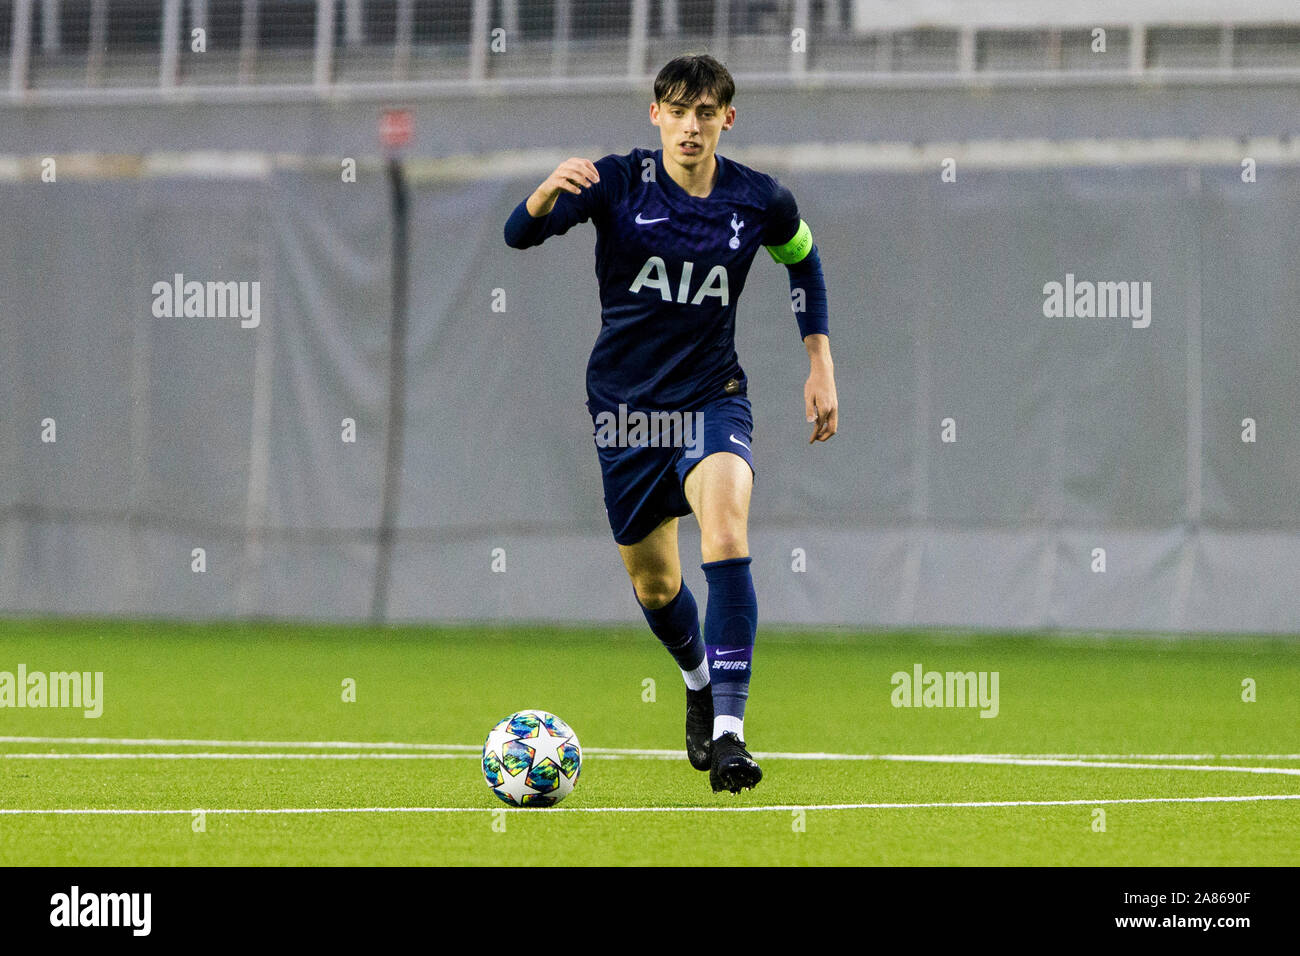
(676, 231)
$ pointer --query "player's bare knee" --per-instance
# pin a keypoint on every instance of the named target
(655, 590)
(724, 544)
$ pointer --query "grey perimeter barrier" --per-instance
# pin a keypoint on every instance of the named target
(990, 457)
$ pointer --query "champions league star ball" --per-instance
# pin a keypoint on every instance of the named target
(532, 759)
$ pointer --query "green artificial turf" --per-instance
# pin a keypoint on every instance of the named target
(812, 693)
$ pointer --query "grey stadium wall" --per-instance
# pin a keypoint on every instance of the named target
(1071, 434)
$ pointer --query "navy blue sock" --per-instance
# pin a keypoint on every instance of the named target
(677, 625)
(730, 622)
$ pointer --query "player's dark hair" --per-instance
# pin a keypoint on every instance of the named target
(687, 78)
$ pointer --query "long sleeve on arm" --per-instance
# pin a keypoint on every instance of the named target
(522, 230)
(789, 242)
(806, 276)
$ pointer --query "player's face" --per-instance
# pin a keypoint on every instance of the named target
(690, 131)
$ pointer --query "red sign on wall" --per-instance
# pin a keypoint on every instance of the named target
(396, 128)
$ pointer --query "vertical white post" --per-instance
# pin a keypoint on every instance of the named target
(721, 28)
(199, 15)
(49, 26)
(1137, 48)
(198, 21)
(834, 18)
(800, 21)
(248, 41)
(98, 41)
(323, 71)
(966, 52)
(169, 63)
(669, 24)
(20, 47)
(403, 36)
(478, 41)
(560, 42)
(354, 30)
(636, 40)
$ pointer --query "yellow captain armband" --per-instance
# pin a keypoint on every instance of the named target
(796, 249)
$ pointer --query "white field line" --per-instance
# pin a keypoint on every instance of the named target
(1111, 764)
(972, 759)
(282, 744)
(196, 755)
(779, 808)
(602, 751)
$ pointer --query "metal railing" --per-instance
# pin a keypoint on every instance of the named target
(70, 49)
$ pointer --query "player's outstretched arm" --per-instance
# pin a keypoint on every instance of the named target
(532, 221)
(571, 176)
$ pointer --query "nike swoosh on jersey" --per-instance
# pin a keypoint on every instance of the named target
(646, 222)
(739, 442)
(734, 650)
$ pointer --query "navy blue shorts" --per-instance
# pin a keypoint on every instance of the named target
(645, 484)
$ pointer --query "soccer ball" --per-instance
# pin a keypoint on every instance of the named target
(532, 759)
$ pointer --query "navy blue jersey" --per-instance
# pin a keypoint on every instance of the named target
(671, 267)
